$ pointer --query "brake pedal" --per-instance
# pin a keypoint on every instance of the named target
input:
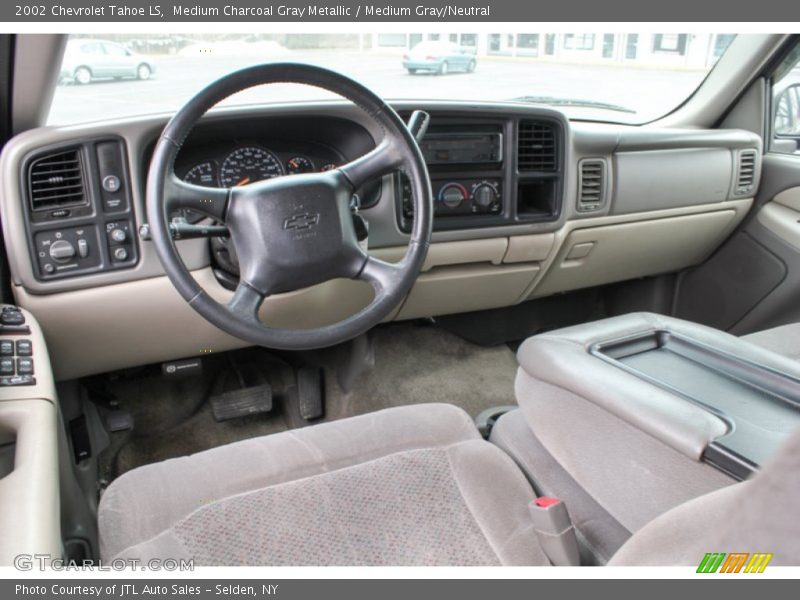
(242, 403)
(310, 382)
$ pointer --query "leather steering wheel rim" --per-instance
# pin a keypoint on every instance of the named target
(301, 222)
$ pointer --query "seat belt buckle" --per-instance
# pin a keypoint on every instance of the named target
(554, 530)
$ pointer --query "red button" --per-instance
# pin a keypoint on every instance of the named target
(546, 501)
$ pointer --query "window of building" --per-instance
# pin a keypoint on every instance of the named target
(434, 37)
(469, 39)
(414, 39)
(528, 40)
(608, 45)
(631, 46)
(579, 41)
(392, 40)
(674, 43)
(550, 44)
(721, 43)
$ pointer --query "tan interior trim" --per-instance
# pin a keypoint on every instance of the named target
(708, 234)
(783, 219)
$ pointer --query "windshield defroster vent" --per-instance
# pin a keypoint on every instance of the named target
(537, 147)
(591, 184)
(56, 181)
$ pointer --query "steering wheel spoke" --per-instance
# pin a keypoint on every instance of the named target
(212, 202)
(380, 274)
(384, 159)
(246, 302)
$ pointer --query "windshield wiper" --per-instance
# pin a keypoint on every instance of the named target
(555, 101)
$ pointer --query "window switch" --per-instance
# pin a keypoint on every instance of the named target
(7, 366)
(24, 348)
(25, 366)
(11, 316)
(6, 348)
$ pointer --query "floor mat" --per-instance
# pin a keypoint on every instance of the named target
(413, 364)
(422, 363)
(173, 418)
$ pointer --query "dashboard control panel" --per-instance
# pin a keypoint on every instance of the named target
(459, 197)
(16, 350)
(79, 209)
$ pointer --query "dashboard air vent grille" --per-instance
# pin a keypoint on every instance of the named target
(537, 147)
(592, 184)
(56, 181)
(746, 174)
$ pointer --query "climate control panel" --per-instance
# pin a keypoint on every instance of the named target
(459, 197)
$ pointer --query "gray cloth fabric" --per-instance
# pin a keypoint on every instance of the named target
(409, 485)
(783, 340)
(759, 515)
(599, 534)
(632, 475)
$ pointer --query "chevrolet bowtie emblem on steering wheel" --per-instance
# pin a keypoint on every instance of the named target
(301, 221)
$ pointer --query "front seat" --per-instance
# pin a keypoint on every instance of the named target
(403, 486)
(413, 485)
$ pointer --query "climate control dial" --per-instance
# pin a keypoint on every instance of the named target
(452, 195)
(484, 195)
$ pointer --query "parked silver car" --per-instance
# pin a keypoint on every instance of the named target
(439, 57)
(86, 60)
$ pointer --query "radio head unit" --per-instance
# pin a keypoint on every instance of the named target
(462, 148)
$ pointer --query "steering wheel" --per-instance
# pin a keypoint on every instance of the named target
(291, 232)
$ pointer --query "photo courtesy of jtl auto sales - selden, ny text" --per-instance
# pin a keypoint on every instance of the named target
(399, 300)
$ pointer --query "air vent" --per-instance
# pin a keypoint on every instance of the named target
(537, 147)
(746, 173)
(56, 181)
(592, 184)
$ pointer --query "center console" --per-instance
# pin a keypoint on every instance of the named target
(645, 412)
(489, 172)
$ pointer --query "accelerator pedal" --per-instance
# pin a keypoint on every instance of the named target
(310, 392)
(242, 402)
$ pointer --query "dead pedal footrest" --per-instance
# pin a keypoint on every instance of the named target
(241, 403)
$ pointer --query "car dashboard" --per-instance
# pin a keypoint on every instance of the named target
(526, 203)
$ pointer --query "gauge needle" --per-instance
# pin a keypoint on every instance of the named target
(244, 181)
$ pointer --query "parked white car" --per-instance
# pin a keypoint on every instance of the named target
(87, 60)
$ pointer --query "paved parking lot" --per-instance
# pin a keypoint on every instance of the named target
(650, 92)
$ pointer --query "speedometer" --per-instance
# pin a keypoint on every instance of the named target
(249, 164)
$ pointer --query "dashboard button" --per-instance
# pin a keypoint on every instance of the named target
(118, 235)
(12, 317)
(111, 183)
(17, 380)
(121, 254)
(24, 348)
(6, 348)
(83, 248)
(7, 366)
(24, 366)
(62, 251)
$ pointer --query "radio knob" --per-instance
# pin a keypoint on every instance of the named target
(452, 195)
(484, 195)
(61, 251)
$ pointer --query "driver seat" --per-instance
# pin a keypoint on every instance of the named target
(414, 485)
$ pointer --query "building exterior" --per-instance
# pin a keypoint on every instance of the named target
(678, 50)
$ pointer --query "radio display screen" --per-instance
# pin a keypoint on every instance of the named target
(462, 148)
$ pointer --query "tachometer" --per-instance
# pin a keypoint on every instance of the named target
(203, 173)
(248, 165)
(299, 164)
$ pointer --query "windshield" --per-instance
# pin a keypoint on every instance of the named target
(620, 77)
